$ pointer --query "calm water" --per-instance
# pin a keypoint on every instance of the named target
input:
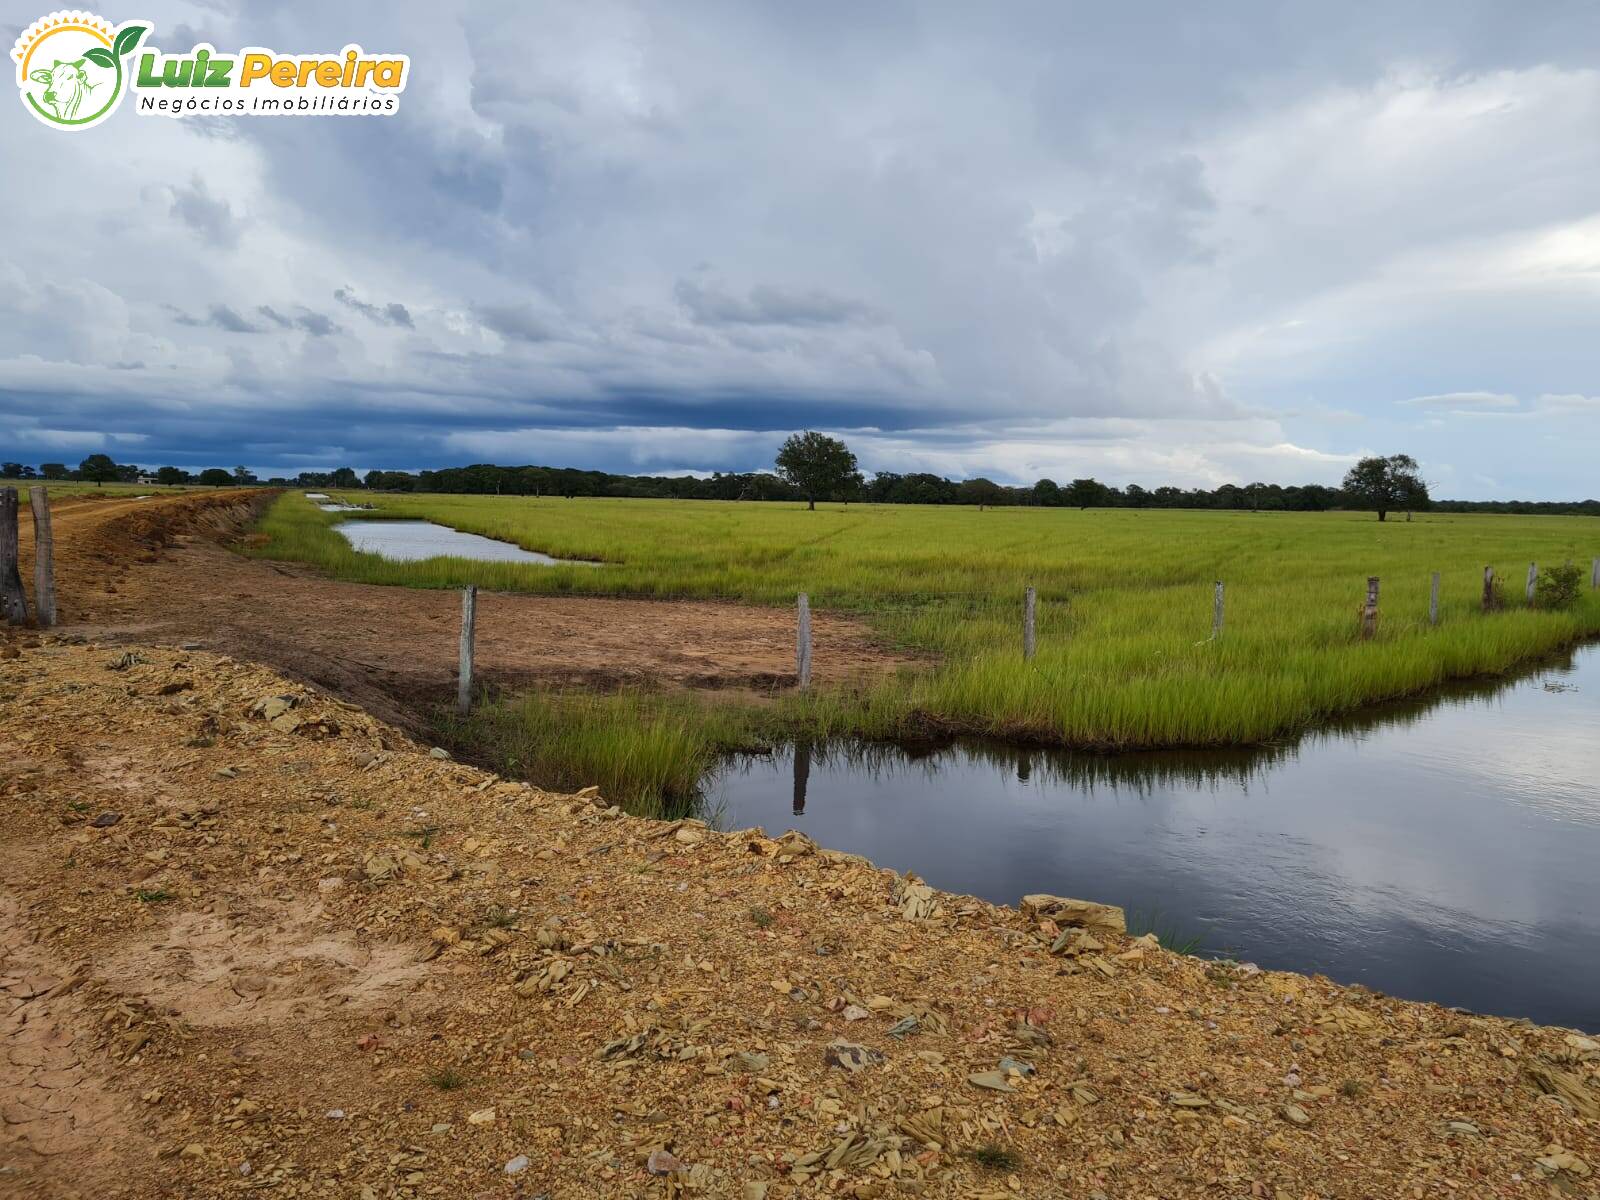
(410, 541)
(1447, 851)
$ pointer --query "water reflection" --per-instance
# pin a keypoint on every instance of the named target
(1442, 849)
(412, 541)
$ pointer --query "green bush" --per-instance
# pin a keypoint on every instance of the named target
(1558, 587)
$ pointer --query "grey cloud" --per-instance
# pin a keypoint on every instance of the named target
(314, 323)
(515, 321)
(768, 305)
(219, 316)
(224, 317)
(212, 218)
(386, 314)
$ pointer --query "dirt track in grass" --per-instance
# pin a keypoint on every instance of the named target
(158, 570)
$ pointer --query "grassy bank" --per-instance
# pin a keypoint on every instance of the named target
(1125, 656)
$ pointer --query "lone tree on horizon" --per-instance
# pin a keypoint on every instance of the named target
(98, 468)
(1385, 483)
(818, 465)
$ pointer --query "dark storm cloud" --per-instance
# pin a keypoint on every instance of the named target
(1180, 244)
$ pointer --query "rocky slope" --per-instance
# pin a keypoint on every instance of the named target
(253, 939)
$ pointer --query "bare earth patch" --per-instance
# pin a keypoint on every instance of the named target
(153, 570)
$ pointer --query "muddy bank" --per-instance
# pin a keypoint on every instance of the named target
(273, 943)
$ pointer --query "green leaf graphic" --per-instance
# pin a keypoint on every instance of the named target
(128, 39)
(100, 57)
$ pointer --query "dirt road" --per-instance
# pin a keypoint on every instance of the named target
(156, 570)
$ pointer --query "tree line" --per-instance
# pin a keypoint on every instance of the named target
(813, 467)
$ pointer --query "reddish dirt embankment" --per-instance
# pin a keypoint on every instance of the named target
(157, 570)
(251, 938)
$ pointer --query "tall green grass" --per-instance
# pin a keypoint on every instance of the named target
(1125, 656)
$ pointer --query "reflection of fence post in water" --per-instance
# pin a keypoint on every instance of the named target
(802, 649)
(1369, 610)
(13, 600)
(802, 776)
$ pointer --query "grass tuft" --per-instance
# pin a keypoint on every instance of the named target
(448, 1079)
(993, 1157)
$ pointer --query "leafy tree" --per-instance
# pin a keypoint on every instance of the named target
(1383, 484)
(980, 491)
(53, 470)
(1047, 493)
(127, 472)
(346, 477)
(242, 476)
(97, 468)
(10, 470)
(215, 477)
(171, 475)
(818, 465)
(1085, 493)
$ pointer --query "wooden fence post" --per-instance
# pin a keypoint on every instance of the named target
(1029, 601)
(1594, 573)
(1433, 601)
(469, 622)
(1216, 611)
(44, 571)
(1369, 611)
(13, 600)
(1488, 589)
(802, 649)
(1533, 578)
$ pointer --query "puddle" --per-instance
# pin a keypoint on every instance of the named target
(412, 541)
(1442, 850)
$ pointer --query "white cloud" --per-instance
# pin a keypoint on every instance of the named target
(1463, 400)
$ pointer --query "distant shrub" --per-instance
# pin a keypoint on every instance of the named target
(1558, 587)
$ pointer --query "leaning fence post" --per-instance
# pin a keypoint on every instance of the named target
(469, 621)
(1488, 589)
(1369, 610)
(802, 648)
(13, 600)
(1029, 599)
(44, 571)
(1216, 611)
(1433, 601)
(1533, 578)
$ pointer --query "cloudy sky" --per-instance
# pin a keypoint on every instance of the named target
(1158, 243)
